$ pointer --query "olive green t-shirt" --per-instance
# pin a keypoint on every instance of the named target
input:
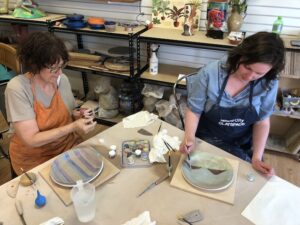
(19, 98)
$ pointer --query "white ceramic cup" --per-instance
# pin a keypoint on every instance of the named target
(83, 197)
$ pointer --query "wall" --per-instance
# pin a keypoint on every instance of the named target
(260, 16)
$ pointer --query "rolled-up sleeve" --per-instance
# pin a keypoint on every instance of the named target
(197, 91)
(268, 101)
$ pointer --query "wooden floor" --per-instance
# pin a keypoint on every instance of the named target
(285, 166)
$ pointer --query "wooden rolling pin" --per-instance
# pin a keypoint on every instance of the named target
(83, 56)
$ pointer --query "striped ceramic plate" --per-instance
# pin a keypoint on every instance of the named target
(80, 163)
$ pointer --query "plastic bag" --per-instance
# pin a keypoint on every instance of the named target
(102, 85)
(153, 90)
(149, 103)
(109, 100)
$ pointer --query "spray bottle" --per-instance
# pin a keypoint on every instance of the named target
(154, 60)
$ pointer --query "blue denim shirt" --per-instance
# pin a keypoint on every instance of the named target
(204, 88)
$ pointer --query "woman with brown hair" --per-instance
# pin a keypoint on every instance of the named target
(230, 100)
(39, 104)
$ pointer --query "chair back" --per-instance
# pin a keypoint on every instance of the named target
(8, 57)
(175, 96)
(3, 124)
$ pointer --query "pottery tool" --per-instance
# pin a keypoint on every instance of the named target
(159, 127)
(153, 184)
(20, 211)
(192, 217)
(169, 163)
(40, 200)
(189, 159)
(144, 132)
(170, 148)
(188, 155)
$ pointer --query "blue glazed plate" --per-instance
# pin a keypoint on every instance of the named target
(74, 24)
(81, 163)
(209, 172)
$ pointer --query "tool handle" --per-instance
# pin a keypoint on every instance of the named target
(19, 207)
(161, 179)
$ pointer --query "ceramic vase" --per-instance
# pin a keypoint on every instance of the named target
(190, 12)
(216, 18)
(235, 21)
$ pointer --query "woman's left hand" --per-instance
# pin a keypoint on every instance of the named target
(264, 168)
(86, 113)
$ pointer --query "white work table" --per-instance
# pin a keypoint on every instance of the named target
(117, 200)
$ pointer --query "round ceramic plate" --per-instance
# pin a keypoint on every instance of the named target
(82, 163)
(208, 172)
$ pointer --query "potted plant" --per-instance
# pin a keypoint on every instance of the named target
(163, 8)
(175, 14)
(155, 7)
(238, 13)
(239, 6)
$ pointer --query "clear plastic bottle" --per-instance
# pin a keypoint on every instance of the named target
(277, 25)
(84, 199)
(153, 67)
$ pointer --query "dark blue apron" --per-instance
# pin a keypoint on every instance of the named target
(229, 128)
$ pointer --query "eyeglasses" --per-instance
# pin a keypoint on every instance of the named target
(55, 69)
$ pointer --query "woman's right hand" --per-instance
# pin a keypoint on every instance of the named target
(85, 125)
(187, 145)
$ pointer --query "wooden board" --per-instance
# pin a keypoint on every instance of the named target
(226, 196)
(109, 171)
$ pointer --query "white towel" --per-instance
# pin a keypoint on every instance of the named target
(140, 119)
(142, 219)
(159, 148)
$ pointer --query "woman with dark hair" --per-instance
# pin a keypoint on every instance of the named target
(230, 100)
(40, 104)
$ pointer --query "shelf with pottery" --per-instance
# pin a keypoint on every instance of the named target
(120, 31)
(94, 67)
(167, 75)
(50, 18)
(175, 37)
(285, 125)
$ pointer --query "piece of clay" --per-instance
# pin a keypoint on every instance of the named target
(24, 181)
(192, 217)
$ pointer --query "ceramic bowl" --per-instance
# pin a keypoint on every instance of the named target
(75, 24)
(75, 17)
(97, 26)
(95, 20)
(110, 26)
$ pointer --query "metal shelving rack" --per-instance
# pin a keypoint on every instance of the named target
(50, 21)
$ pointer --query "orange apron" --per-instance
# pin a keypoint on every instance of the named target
(57, 115)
